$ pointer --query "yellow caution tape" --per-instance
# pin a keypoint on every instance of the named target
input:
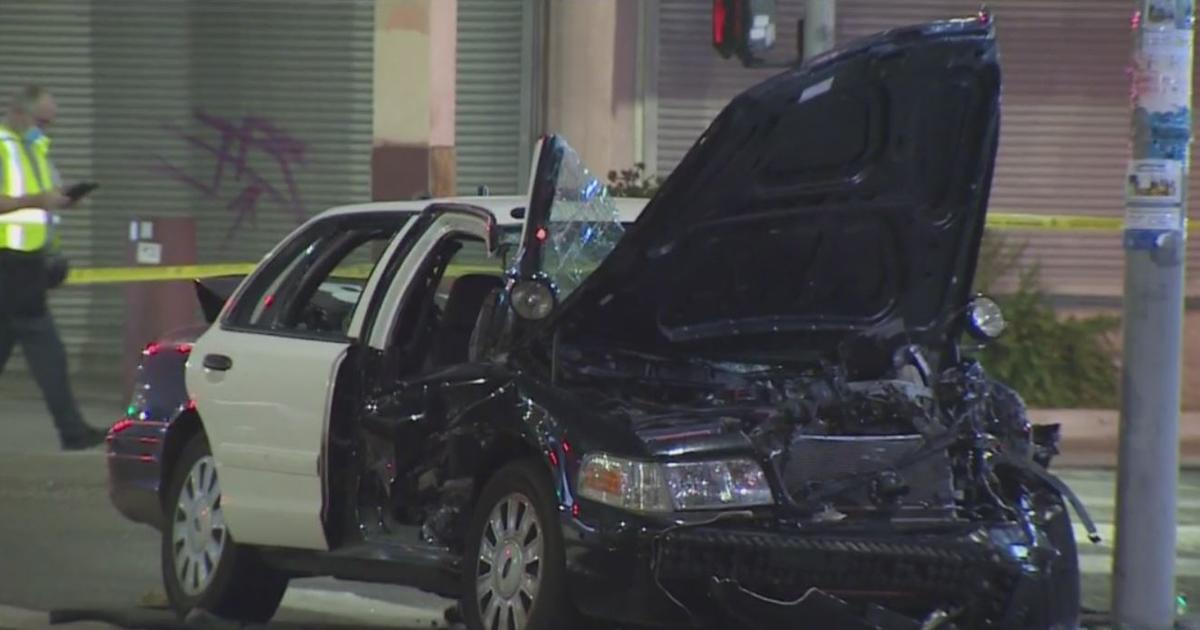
(114, 275)
(117, 275)
(1059, 223)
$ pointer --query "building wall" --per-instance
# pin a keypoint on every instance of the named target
(592, 68)
(1191, 360)
(131, 71)
(413, 152)
(688, 83)
(499, 97)
(245, 116)
(592, 79)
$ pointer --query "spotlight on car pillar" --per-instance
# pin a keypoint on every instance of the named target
(532, 299)
(985, 319)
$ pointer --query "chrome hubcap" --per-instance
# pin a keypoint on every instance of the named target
(509, 569)
(198, 528)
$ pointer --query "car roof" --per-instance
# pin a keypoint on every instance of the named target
(501, 206)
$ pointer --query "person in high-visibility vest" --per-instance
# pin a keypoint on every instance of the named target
(30, 189)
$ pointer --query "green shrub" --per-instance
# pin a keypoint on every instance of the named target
(633, 182)
(1052, 361)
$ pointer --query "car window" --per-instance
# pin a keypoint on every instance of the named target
(441, 305)
(471, 259)
(315, 282)
(328, 307)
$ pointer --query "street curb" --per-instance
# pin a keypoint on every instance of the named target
(1090, 436)
(20, 618)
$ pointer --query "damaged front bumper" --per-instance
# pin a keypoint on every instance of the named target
(945, 576)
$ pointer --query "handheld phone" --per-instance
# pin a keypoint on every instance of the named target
(78, 191)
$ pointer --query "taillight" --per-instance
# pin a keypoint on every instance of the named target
(151, 349)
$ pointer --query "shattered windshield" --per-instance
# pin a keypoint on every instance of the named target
(584, 225)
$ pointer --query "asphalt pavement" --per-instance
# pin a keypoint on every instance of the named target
(67, 556)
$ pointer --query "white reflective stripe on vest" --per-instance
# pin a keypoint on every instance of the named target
(14, 167)
(26, 230)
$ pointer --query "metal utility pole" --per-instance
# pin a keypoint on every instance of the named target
(1155, 227)
(820, 23)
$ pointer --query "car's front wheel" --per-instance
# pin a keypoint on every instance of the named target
(202, 568)
(1063, 591)
(514, 567)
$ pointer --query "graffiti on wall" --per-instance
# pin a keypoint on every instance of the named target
(243, 162)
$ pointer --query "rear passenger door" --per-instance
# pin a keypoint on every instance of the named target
(263, 378)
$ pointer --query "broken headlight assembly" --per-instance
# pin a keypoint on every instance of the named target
(674, 486)
(985, 319)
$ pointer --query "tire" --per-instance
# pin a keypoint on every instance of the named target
(210, 573)
(1061, 608)
(530, 593)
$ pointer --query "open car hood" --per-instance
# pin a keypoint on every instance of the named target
(843, 197)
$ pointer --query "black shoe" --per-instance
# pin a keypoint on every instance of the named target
(88, 438)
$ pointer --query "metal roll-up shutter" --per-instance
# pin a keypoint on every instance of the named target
(495, 98)
(693, 82)
(49, 43)
(1064, 139)
(140, 63)
(297, 76)
(280, 90)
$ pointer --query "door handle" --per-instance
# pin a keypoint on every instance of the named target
(218, 362)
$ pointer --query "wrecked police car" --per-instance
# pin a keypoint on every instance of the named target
(749, 408)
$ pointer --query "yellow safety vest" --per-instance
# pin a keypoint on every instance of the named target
(25, 172)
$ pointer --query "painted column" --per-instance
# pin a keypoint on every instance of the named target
(413, 151)
(820, 26)
(592, 83)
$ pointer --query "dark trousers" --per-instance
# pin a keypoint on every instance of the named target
(47, 359)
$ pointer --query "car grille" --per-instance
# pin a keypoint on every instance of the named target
(816, 459)
(918, 572)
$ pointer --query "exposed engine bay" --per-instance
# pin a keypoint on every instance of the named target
(910, 445)
(876, 478)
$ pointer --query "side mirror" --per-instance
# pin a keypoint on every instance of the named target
(985, 319)
(745, 28)
(532, 299)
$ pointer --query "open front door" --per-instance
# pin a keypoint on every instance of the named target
(263, 377)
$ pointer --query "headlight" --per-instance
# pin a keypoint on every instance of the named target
(676, 486)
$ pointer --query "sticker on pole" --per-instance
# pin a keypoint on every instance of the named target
(1157, 68)
(1163, 219)
(1153, 201)
(1161, 74)
(1166, 13)
(1154, 183)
